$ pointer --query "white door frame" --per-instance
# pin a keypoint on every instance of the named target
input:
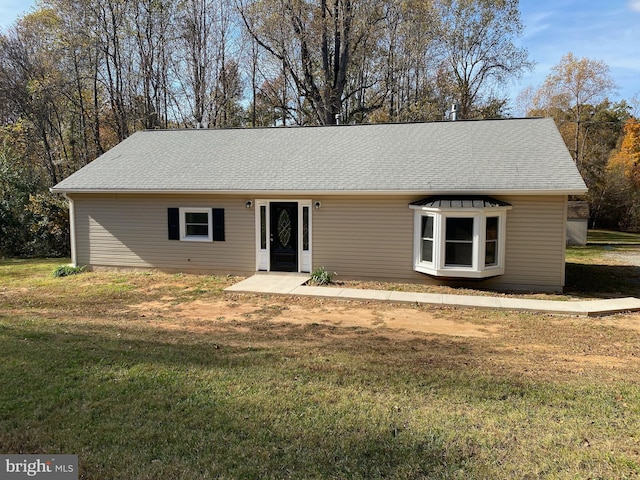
(263, 255)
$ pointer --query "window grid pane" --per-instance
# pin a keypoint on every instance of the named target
(492, 228)
(305, 228)
(491, 249)
(459, 242)
(426, 252)
(491, 245)
(196, 224)
(263, 227)
(460, 229)
(197, 230)
(458, 254)
(196, 217)
(427, 227)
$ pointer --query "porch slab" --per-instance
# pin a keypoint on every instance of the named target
(270, 282)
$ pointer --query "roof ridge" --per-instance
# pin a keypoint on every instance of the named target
(296, 127)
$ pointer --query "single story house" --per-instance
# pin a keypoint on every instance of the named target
(465, 202)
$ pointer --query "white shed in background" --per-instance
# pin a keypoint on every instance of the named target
(577, 222)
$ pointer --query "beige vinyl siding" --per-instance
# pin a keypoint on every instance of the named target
(372, 237)
(366, 237)
(131, 231)
(535, 249)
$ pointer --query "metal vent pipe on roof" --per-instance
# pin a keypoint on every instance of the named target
(455, 111)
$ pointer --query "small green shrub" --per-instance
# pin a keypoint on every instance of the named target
(66, 270)
(320, 276)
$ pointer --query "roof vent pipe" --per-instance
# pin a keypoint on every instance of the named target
(455, 111)
(337, 119)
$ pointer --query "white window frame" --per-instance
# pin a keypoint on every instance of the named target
(183, 224)
(305, 254)
(478, 269)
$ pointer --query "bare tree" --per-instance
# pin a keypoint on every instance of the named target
(571, 85)
(195, 26)
(112, 29)
(33, 88)
(316, 42)
(152, 21)
(478, 36)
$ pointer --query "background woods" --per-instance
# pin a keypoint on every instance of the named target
(79, 76)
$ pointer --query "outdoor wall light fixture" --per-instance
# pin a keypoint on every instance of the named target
(317, 205)
(249, 204)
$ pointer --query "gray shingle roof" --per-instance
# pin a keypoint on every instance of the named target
(484, 157)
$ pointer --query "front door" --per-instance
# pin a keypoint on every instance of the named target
(284, 236)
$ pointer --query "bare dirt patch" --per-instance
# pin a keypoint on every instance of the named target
(630, 321)
(397, 318)
(532, 345)
(390, 318)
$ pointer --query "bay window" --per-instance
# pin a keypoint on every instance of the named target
(460, 236)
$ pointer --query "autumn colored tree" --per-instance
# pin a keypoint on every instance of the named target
(575, 95)
(627, 159)
(601, 135)
(621, 197)
(572, 84)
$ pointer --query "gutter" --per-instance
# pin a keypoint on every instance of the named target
(298, 193)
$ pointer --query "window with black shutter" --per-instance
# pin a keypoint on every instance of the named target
(196, 224)
(173, 215)
(218, 224)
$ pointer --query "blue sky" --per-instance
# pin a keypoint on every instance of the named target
(606, 30)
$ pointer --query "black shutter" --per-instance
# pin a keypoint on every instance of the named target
(218, 224)
(173, 220)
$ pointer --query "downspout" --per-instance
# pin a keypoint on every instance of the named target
(72, 230)
(564, 242)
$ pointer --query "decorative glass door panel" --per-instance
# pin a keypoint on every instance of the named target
(284, 236)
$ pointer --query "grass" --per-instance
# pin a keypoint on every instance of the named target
(598, 270)
(611, 238)
(107, 366)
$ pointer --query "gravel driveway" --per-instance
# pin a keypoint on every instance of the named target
(624, 255)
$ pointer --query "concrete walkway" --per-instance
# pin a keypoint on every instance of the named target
(292, 284)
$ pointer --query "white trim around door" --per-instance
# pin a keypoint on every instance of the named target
(263, 233)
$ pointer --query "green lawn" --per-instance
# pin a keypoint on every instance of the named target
(600, 268)
(611, 237)
(106, 366)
